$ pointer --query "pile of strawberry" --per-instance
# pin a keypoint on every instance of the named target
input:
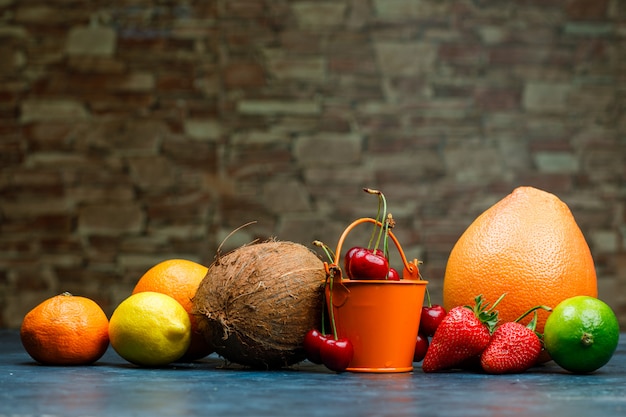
(470, 337)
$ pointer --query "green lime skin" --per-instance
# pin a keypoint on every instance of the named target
(581, 334)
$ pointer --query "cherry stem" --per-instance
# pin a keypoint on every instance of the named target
(332, 313)
(389, 224)
(378, 218)
(386, 229)
(331, 256)
(326, 249)
(382, 227)
(323, 325)
(428, 297)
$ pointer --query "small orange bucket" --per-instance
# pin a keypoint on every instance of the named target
(379, 317)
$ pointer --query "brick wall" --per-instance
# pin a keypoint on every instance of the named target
(137, 131)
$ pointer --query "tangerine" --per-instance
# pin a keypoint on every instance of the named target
(179, 278)
(65, 330)
(529, 246)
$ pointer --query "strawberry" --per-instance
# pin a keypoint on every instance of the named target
(513, 348)
(464, 333)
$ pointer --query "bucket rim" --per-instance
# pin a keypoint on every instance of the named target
(384, 281)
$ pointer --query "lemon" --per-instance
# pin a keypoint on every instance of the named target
(150, 329)
(581, 334)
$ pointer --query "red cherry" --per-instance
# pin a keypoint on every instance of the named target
(393, 275)
(348, 258)
(369, 264)
(313, 341)
(336, 354)
(430, 318)
(421, 347)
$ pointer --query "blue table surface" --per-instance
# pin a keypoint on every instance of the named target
(113, 387)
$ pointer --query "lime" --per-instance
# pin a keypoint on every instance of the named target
(150, 329)
(581, 334)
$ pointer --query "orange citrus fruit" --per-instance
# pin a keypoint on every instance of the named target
(527, 246)
(179, 278)
(65, 330)
(581, 334)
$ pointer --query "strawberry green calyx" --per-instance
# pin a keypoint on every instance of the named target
(488, 316)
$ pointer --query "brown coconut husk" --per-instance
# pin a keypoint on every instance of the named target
(257, 302)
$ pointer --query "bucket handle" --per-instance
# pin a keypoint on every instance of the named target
(410, 271)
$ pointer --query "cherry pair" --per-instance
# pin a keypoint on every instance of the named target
(431, 316)
(335, 354)
(364, 263)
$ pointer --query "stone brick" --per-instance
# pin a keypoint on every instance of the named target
(152, 172)
(410, 10)
(604, 241)
(405, 58)
(33, 208)
(474, 164)
(459, 53)
(311, 69)
(37, 14)
(11, 59)
(140, 262)
(29, 279)
(546, 97)
(309, 227)
(93, 64)
(193, 28)
(492, 34)
(92, 40)
(604, 164)
(520, 55)
(498, 98)
(296, 40)
(286, 195)
(191, 154)
(328, 149)
(35, 110)
(243, 75)
(556, 162)
(110, 219)
(585, 29)
(398, 9)
(205, 130)
(11, 152)
(125, 136)
(13, 32)
(319, 13)
(274, 107)
(134, 82)
(586, 9)
(41, 224)
(97, 193)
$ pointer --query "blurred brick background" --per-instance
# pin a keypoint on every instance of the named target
(137, 131)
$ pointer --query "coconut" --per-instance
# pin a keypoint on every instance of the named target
(256, 303)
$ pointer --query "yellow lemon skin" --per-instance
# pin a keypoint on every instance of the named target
(150, 329)
(581, 334)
